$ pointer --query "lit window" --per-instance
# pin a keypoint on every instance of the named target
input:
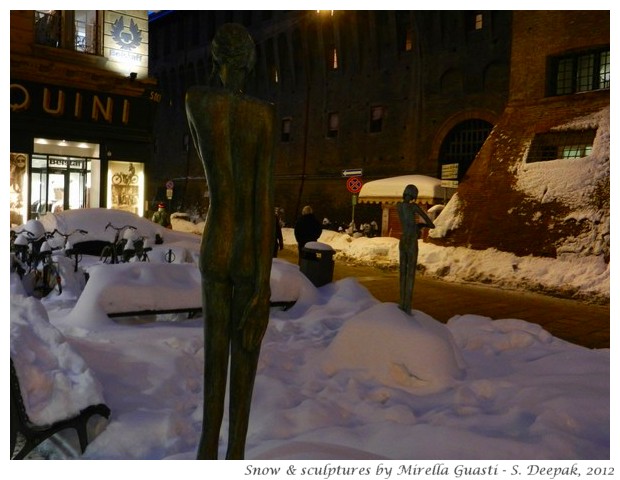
(580, 72)
(334, 59)
(286, 130)
(56, 28)
(86, 31)
(409, 39)
(332, 124)
(478, 21)
(561, 145)
(376, 119)
(475, 21)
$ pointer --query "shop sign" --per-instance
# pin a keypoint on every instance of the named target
(72, 104)
(56, 162)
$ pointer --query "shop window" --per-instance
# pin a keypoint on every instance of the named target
(561, 145)
(70, 29)
(286, 130)
(18, 190)
(332, 125)
(126, 186)
(579, 72)
(376, 119)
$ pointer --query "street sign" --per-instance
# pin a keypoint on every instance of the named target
(352, 172)
(169, 184)
(450, 171)
(450, 183)
(354, 184)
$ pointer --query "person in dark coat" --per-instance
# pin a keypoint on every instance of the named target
(307, 229)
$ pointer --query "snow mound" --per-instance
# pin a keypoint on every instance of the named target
(55, 382)
(384, 344)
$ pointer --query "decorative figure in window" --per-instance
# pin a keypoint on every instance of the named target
(408, 212)
(47, 28)
(234, 136)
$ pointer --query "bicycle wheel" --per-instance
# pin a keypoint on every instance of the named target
(51, 279)
(106, 254)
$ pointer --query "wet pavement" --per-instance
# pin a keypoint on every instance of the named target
(571, 320)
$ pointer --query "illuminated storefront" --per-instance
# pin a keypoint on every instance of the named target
(81, 112)
(66, 155)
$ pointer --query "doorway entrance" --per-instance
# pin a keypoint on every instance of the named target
(59, 183)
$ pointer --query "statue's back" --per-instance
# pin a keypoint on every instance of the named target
(234, 137)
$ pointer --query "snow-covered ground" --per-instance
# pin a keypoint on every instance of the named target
(342, 377)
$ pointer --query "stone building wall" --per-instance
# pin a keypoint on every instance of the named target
(494, 209)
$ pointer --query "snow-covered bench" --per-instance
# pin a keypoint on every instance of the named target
(139, 288)
(52, 387)
(36, 434)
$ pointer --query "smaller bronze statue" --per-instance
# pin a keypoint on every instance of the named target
(408, 212)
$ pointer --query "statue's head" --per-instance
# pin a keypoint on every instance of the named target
(233, 46)
(410, 193)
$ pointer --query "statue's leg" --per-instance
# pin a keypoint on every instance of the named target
(403, 268)
(217, 316)
(243, 368)
(412, 262)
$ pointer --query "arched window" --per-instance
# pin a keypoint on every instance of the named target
(463, 143)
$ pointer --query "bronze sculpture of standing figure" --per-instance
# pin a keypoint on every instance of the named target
(408, 211)
(233, 134)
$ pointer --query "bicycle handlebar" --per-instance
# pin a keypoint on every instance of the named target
(118, 229)
(65, 235)
(30, 234)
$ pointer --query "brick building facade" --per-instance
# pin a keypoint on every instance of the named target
(388, 92)
(81, 110)
(540, 185)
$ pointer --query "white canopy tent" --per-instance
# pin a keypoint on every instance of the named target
(390, 190)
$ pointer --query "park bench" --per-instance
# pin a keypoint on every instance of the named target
(36, 434)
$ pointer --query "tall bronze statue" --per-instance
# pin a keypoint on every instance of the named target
(408, 212)
(233, 134)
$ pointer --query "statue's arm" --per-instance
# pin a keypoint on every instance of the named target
(425, 217)
(190, 109)
(256, 315)
(265, 219)
(199, 106)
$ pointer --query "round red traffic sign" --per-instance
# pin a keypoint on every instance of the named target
(354, 184)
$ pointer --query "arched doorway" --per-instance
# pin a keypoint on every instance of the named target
(462, 144)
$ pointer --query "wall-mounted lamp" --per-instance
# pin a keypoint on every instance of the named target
(133, 76)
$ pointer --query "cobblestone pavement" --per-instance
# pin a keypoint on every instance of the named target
(574, 321)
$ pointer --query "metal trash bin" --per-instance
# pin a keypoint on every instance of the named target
(317, 263)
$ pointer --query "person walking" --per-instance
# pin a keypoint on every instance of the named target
(307, 229)
(161, 216)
